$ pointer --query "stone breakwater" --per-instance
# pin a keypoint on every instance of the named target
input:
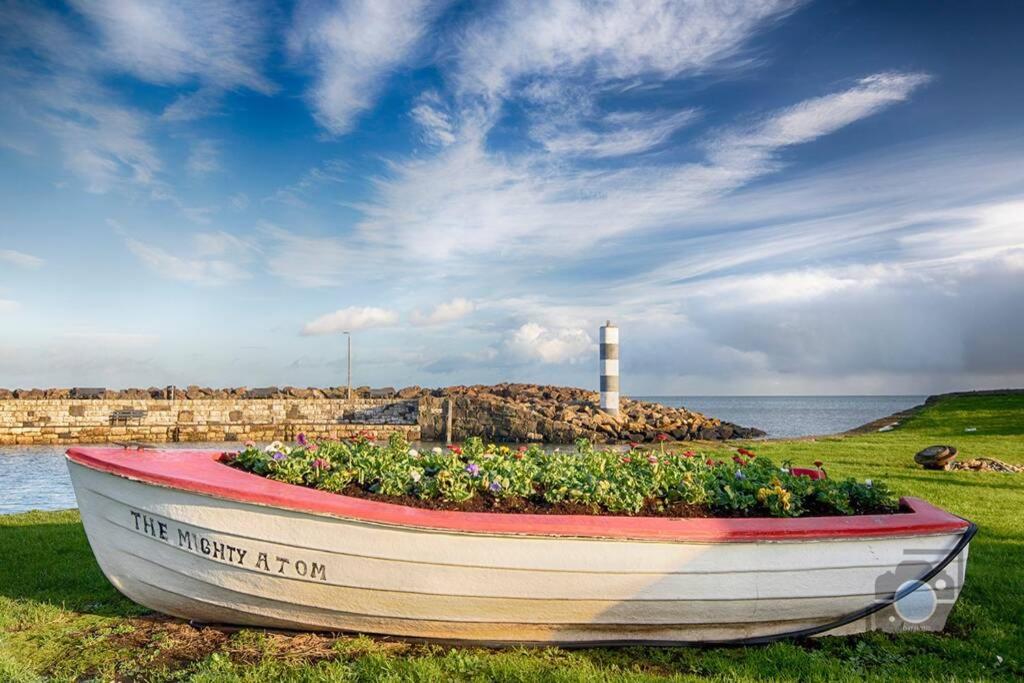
(502, 412)
(530, 412)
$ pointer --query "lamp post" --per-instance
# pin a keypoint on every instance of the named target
(349, 335)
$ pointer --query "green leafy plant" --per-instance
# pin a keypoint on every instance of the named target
(613, 481)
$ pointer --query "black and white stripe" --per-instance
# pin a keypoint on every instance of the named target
(610, 369)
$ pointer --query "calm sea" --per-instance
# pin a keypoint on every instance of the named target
(36, 478)
(793, 415)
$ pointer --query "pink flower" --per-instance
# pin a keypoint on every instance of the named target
(250, 444)
(662, 437)
(321, 464)
(301, 439)
(653, 459)
(689, 454)
(634, 444)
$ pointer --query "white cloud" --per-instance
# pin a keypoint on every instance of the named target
(105, 145)
(565, 38)
(197, 270)
(215, 42)
(351, 319)
(8, 305)
(437, 123)
(356, 46)
(466, 200)
(446, 312)
(203, 157)
(534, 342)
(19, 258)
(193, 105)
(618, 134)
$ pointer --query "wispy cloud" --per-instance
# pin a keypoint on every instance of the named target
(197, 269)
(203, 157)
(20, 258)
(350, 319)
(615, 135)
(355, 46)
(217, 44)
(306, 261)
(466, 200)
(610, 41)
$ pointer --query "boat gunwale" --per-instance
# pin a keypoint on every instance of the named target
(202, 472)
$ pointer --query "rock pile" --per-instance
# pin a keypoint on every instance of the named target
(531, 412)
(987, 465)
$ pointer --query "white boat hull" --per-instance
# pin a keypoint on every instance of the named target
(214, 560)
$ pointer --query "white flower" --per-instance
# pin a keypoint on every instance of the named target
(414, 453)
(275, 446)
(436, 450)
(867, 482)
(415, 475)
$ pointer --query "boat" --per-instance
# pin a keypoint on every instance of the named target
(183, 533)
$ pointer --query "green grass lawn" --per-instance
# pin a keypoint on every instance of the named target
(61, 620)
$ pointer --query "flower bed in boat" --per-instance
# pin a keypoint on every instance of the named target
(483, 477)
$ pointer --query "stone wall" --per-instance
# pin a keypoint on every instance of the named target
(69, 420)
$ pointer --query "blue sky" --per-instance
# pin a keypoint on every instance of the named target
(768, 197)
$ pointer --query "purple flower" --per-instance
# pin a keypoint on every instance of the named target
(494, 487)
(740, 475)
(321, 464)
(473, 469)
(279, 456)
(301, 438)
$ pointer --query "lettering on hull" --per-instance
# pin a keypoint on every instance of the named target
(194, 542)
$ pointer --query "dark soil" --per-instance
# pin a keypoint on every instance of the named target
(487, 503)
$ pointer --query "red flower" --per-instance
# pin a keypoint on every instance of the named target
(627, 459)
(709, 462)
(662, 437)
(518, 456)
(634, 444)
(523, 448)
(457, 450)
(688, 454)
(738, 460)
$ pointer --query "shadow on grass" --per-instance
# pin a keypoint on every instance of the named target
(51, 562)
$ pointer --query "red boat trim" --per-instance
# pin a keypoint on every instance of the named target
(201, 472)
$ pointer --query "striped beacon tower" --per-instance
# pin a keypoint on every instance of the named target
(610, 369)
